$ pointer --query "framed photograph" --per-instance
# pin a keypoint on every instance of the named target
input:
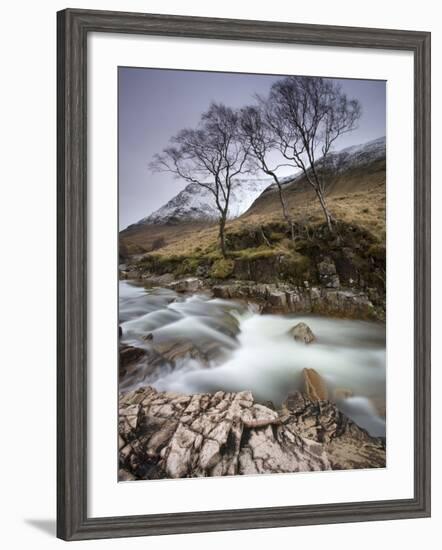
(243, 274)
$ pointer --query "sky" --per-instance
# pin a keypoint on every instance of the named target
(154, 104)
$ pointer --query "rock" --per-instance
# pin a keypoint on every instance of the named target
(165, 434)
(342, 393)
(158, 280)
(130, 274)
(346, 445)
(239, 291)
(278, 299)
(124, 475)
(315, 388)
(202, 271)
(191, 284)
(284, 298)
(221, 291)
(349, 303)
(174, 350)
(130, 354)
(138, 364)
(302, 333)
(327, 273)
(380, 406)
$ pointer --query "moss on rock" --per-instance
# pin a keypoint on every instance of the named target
(222, 268)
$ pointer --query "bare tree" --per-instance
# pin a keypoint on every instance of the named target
(259, 138)
(210, 156)
(307, 115)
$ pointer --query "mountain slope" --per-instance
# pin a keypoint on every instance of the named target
(355, 195)
(356, 157)
(358, 169)
(195, 203)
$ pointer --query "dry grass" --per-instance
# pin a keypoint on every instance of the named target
(356, 198)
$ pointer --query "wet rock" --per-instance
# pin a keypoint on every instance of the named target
(342, 393)
(302, 333)
(222, 291)
(315, 387)
(191, 284)
(238, 291)
(380, 406)
(158, 280)
(175, 350)
(130, 354)
(349, 303)
(167, 434)
(283, 298)
(130, 274)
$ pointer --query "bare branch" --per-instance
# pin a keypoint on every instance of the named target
(210, 156)
(307, 115)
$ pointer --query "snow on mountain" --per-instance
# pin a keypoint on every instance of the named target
(351, 157)
(358, 155)
(196, 203)
(370, 149)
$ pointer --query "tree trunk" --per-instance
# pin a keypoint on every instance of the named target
(222, 239)
(327, 214)
(284, 210)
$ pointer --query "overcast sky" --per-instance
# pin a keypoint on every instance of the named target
(154, 104)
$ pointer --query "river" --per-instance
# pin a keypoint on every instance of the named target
(245, 350)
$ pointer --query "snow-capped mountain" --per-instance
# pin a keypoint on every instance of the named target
(196, 203)
(358, 155)
(355, 156)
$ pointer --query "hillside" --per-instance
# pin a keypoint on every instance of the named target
(195, 203)
(356, 195)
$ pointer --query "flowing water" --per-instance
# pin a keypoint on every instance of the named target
(249, 351)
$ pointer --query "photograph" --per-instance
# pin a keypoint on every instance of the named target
(252, 274)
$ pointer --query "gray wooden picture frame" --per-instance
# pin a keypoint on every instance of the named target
(73, 28)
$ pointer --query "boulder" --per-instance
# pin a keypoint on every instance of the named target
(315, 387)
(302, 333)
(191, 284)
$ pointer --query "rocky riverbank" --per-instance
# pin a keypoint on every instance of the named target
(341, 274)
(172, 435)
(338, 301)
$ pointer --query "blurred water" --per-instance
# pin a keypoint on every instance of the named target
(262, 357)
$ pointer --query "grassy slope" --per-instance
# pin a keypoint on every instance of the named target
(356, 197)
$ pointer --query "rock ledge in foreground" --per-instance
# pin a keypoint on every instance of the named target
(171, 435)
